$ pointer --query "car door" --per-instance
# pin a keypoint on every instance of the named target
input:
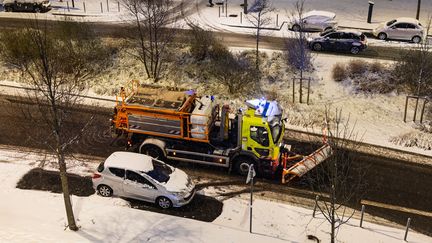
(137, 187)
(115, 178)
(330, 41)
(259, 141)
(397, 31)
(411, 31)
(344, 42)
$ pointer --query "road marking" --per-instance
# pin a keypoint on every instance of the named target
(397, 208)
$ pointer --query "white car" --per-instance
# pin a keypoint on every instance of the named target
(142, 177)
(402, 29)
(314, 20)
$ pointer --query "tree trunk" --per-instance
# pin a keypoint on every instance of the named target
(332, 236)
(65, 187)
(257, 42)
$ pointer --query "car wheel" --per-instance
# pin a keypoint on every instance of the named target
(355, 50)
(416, 39)
(382, 36)
(241, 165)
(296, 27)
(164, 202)
(317, 47)
(153, 151)
(105, 191)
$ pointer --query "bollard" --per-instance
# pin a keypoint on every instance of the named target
(245, 11)
(361, 218)
(315, 207)
(67, 3)
(277, 20)
(118, 6)
(101, 7)
(241, 17)
(107, 5)
(84, 7)
(407, 228)
(219, 11)
(369, 18)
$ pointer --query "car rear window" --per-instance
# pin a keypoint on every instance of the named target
(100, 168)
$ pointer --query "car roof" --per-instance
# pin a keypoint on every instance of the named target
(408, 20)
(130, 161)
(344, 31)
(327, 14)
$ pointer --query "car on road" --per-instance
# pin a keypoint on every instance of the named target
(343, 41)
(36, 6)
(400, 29)
(314, 21)
(141, 177)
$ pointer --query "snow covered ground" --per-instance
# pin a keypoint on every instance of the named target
(38, 216)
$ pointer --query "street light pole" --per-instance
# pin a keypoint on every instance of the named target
(418, 9)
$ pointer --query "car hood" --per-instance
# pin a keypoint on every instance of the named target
(179, 182)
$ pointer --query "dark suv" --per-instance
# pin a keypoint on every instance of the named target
(36, 6)
(352, 42)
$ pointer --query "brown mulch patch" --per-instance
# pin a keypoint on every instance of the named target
(45, 180)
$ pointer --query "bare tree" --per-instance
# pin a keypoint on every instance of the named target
(339, 180)
(298, 54)
(150, 34)
(56, 59)
(258, 17)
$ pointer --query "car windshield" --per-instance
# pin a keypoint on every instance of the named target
(276, 131)
(160, 171)
(391, 22)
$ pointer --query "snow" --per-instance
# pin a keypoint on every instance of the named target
(39, 216)
(129, 160)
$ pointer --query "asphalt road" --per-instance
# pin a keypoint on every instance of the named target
(390, 181)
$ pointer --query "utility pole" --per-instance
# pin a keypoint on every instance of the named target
(418, 9)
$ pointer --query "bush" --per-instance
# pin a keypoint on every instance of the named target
(339, 72)
(376, 67)
(357, 67)
(413, 66)
(201, 42)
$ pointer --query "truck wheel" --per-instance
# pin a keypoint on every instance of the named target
(241, 165)
(153, 151)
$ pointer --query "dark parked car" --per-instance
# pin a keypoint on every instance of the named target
(352, 42)
(36, 6)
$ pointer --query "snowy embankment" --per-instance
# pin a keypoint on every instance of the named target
(38, 216)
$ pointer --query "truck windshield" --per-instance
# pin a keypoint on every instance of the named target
(276, 131)
(160, 171)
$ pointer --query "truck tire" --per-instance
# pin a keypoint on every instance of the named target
(241, 165)
(153, 151)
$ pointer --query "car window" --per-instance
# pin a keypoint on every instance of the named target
(133, 176)
(391, 22)
(333, 36)
(400, 26)
(117, 172)
(259, 135)
(160, 171)
(100, 167)
(410, 26)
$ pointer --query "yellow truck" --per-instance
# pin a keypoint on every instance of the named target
(179, 125)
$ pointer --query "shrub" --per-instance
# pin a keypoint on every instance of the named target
(357, 67)
(201, 42)
(376, 67)
(339, 72)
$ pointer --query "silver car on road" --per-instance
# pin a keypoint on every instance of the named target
(314, 20)
(401, 29)
(142, 177)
